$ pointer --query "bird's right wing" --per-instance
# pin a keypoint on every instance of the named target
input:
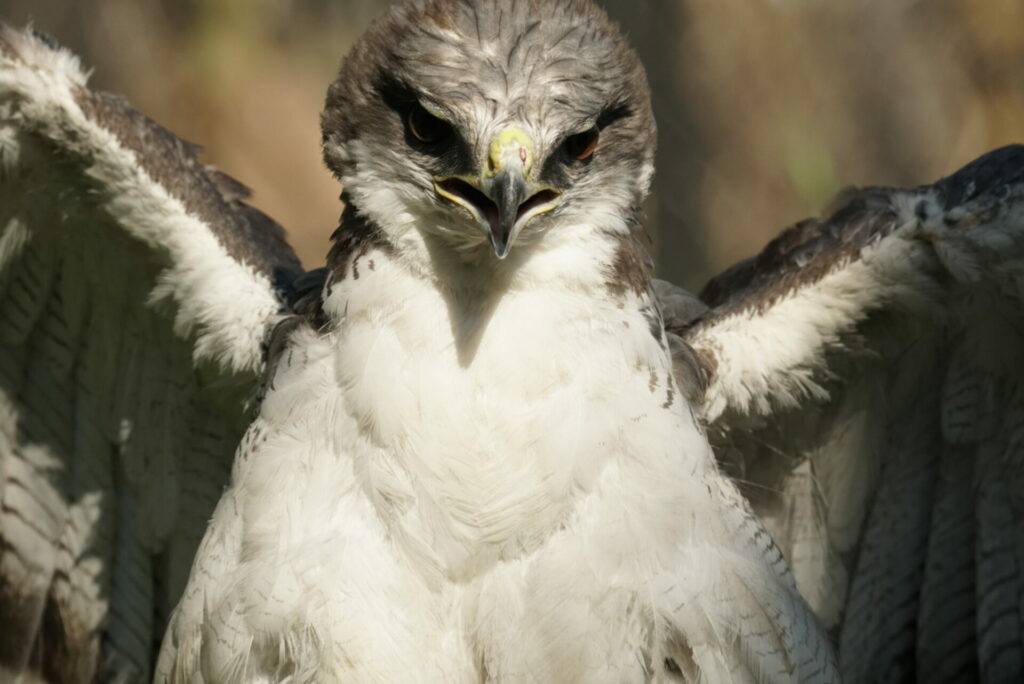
(136, 293)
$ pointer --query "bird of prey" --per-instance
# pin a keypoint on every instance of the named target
(483, 444)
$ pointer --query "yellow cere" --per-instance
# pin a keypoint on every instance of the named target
(511, 143)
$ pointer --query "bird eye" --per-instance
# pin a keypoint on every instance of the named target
(426, 127)
(581, 146)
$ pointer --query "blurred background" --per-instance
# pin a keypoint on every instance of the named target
(766, 108)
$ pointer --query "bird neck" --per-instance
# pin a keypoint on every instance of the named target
(600, 261)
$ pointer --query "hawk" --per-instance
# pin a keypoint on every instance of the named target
(483, 444)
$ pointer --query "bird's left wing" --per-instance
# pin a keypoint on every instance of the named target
(136, 293)
(865, 385)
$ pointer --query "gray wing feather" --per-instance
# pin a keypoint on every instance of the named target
(863, 378)
(947, 644)
(136, 292)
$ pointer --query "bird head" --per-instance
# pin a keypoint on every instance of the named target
(490, 122)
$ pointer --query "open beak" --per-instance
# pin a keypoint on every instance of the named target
(505, 198)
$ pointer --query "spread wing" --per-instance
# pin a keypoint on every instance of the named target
(864, 382)
(136, 291)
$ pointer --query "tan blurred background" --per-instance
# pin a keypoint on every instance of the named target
(766, 107)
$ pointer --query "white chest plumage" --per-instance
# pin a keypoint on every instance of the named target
(483, 421)
(457, 487)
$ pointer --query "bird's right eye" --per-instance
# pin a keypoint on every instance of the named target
(426, 127)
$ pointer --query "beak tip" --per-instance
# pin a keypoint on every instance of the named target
(501, 250)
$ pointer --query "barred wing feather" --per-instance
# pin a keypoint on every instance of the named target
(136, 292)
(865, 385)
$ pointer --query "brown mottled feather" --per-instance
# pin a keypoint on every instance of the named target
(921, 293)
(114, 442)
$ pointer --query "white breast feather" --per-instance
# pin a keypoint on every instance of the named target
(515, 500)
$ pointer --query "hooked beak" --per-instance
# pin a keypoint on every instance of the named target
(505, 198)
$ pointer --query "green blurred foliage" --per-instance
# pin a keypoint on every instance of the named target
(765, 107)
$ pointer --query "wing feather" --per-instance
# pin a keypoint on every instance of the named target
(881, 612)
(946, 641)
(863, 376)
(136, 292)
(998, 570)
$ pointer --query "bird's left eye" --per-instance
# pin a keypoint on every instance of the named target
(581, 146)
(426, 127)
